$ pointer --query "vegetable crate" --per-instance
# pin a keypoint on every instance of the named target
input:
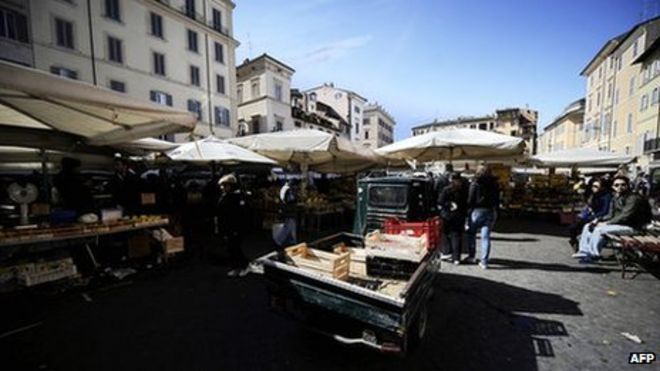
(335, 265)
(431, 227)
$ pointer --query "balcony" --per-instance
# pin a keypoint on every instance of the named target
(652, 145)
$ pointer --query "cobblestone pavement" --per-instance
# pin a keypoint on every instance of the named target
(534, 309)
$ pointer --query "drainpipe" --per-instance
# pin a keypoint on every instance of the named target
(91, 40)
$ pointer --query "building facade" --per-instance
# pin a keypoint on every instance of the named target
(518, 122)
(263, 94)
(377, 126)
(563, 132)
(346, 103)
(179, 53)
(619, 111)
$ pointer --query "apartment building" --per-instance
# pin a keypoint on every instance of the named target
(648, 119)
(263, 94)
(377, 126)
(563, 132)
(517, 122)
(179, 53)
(346, 103)
(311, 114)
(618, 112)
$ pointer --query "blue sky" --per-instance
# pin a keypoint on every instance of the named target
(425, 59)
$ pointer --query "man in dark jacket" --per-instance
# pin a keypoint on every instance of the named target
(452, 204)
(483, 202)
(231, 212)
(628, 212)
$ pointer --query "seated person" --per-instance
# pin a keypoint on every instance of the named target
(628, 212)
(598, 205)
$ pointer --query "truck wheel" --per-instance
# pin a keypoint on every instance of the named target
(418, 329)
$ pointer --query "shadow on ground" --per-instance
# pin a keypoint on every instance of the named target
(530, 225)
(196, 318)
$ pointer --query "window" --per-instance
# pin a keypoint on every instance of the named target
(221, 116)
(217, 20)
(629, 127)
(190, 8)
(366, 134)
(64, 72)
(195, 107)
(112, 9)
(483, 126)
(220, 84)
(279, 126)
(297, 124)
(64, 33)
(156, 25)
(357, 128)
(13, 25)
(159, 63)
(219, 53)
(631, 88)
(616, 96)
(589, 103)
(239, 93)
(192, 41)
(635, 48)
(609, 90)
(279, 95)
(356, 109)
(644, 103)
(614, 128)
(627, 150)
(255, 89)
(598, 99)
(160, 97)
(194, 76)
(312, 97)
(388, 196)
(118, 86)
(654, 96)
(115, 50)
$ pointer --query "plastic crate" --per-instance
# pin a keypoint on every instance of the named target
(431, 227)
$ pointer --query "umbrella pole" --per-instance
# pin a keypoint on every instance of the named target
(304, 169)
(44, 173)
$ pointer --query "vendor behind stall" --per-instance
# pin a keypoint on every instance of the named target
(125, 187)
(71, 188)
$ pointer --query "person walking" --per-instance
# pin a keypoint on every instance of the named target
(231, 211)
(453, 211)
(287, 233)
(598, 206)
(628, 212)
(483, 201)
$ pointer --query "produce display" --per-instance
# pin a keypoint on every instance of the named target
(543, 194)
(36, 233)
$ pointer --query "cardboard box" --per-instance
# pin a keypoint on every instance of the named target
(108, 215)
(39, 209)
(148, 198)
(171, 244)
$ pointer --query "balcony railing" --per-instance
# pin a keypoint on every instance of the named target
(652, 145)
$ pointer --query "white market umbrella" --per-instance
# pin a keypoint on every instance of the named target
(311, 149)
(42, 110)
(581, 157)
(147, 145)
(212, 149)
(455, 144)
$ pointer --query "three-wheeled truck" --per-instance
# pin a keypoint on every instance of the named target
(390, 315)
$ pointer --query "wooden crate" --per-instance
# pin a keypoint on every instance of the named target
(335, 265)
(357, 266)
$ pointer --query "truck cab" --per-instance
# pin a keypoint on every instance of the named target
(408, 198)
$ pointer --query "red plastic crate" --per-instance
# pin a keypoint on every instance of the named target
(431, 227)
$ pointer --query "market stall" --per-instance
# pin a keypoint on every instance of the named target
(62, 122)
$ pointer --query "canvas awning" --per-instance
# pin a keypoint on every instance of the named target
(455, 144)
(317, 150)
(581, 157)
(39, 109)
(212, 149)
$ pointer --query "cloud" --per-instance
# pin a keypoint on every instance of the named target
(334, 50)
